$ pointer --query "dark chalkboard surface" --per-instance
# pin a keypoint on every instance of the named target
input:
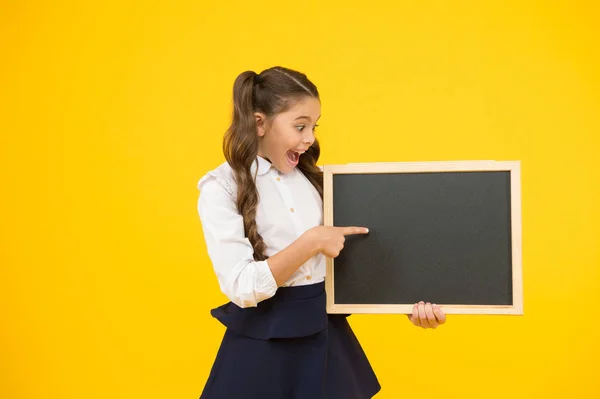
(444, 232)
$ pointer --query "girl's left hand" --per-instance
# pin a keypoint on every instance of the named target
(426, 315)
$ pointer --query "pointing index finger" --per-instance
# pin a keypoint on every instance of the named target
(354, 230)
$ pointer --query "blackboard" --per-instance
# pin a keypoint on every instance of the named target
(444, 232)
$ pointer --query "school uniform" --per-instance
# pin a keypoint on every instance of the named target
(279, 342)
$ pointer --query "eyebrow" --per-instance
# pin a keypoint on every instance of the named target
(305, 117)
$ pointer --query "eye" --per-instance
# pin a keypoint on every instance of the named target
(315, 128)
(300, 127)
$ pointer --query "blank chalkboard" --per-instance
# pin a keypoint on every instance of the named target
(444, 232)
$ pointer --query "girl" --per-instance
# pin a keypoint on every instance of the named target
(261, 213)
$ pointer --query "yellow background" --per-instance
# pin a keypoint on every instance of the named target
(111, 111)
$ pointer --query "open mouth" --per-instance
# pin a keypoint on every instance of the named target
(293, 157)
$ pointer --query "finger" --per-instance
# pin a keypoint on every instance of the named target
(439, 314)
(430, 316)
(415, 316)
(353, 230)
(422, 315)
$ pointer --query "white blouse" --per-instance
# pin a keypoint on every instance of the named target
(288, 206)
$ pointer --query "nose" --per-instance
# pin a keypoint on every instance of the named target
(309, 137)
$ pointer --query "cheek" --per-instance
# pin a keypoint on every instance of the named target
(293, 138)
(287, 140)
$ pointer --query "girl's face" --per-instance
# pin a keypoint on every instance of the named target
(283, 139)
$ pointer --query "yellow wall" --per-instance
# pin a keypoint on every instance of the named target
(109, 114)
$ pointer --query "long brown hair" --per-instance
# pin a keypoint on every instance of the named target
(269, 92)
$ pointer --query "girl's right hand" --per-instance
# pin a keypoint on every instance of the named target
(329, 240)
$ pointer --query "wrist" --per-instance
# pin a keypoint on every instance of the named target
(312, 241)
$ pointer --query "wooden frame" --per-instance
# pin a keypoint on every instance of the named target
(435, 166)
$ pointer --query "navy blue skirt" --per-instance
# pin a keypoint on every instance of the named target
(288, 347)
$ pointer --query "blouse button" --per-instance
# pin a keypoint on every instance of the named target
(279, 178)
(308, 277)
(291, 209)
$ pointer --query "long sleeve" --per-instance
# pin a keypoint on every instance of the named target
(243, 280)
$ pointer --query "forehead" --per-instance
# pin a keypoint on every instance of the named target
(308, 107)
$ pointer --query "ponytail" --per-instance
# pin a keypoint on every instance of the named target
(240, 147)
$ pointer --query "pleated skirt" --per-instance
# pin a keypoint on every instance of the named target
(288, 347)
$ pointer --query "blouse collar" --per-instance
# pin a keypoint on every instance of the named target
(263, 165)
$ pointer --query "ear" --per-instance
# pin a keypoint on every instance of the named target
(261, 121)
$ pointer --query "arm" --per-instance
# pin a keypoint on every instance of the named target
(285, 262)
(328, 240)
(242, 279)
